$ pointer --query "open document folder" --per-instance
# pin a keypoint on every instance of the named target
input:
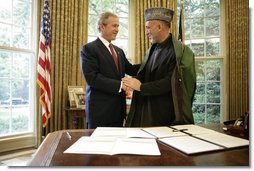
(198, 139)
(112, 146)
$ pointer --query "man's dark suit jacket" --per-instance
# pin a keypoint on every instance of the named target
(105, 106)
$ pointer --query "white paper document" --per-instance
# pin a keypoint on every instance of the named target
(224, 140)
(138, 146)
(190, 145)
(121, 132)
(109, 132)
(112, 146)
(193, 129)
(138, 133)
(161, 132)
(89, 145)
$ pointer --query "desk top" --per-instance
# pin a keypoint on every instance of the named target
(50, 153)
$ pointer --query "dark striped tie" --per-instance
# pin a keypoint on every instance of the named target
(115, 58)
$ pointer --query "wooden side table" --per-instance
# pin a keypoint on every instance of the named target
(75, 113)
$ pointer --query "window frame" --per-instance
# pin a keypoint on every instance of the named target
(221, 57)
(26, 139)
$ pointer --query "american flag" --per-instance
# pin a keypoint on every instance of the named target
(43, 68)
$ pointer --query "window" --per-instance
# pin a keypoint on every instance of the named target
(17, 66)
(202, 34)
(120, 8)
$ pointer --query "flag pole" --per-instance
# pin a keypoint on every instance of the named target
(181, 35)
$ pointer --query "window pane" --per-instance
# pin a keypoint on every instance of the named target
(20, 119)
(212, 9)
(213, 70)
(198, 9)
(20, 91)
(92, 7)
(5, 35)
(21, 13)
(21, 37)
(200, 93)
(5, 110)
(213, 114)
(200, 70)
(199, 113)
(198, 47)
(20, 106)
(187, 9)
(213, 92)
(213, 47)
(5, 116)
(108, 5)
(197, 27)
(212, 26)
(21, 63)
(4, 93)
(123, 28)
(5, 11)
(5, 64)
(14, 109)
(92, 25)
(122, 8)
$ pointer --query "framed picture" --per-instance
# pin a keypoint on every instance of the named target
(71, 91)
(80, 100)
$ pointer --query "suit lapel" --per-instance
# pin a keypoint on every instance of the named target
(107, 55)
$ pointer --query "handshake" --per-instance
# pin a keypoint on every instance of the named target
(129, 84)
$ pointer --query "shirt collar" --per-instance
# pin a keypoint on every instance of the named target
(104, 41)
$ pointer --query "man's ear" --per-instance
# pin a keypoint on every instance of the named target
(160, 25)
(101, 27)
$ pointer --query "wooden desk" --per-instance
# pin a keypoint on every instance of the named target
(75, 114)
(50, 153)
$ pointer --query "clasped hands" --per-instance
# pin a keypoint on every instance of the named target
(130, 84)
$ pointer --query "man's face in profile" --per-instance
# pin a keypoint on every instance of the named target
(109, 31)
